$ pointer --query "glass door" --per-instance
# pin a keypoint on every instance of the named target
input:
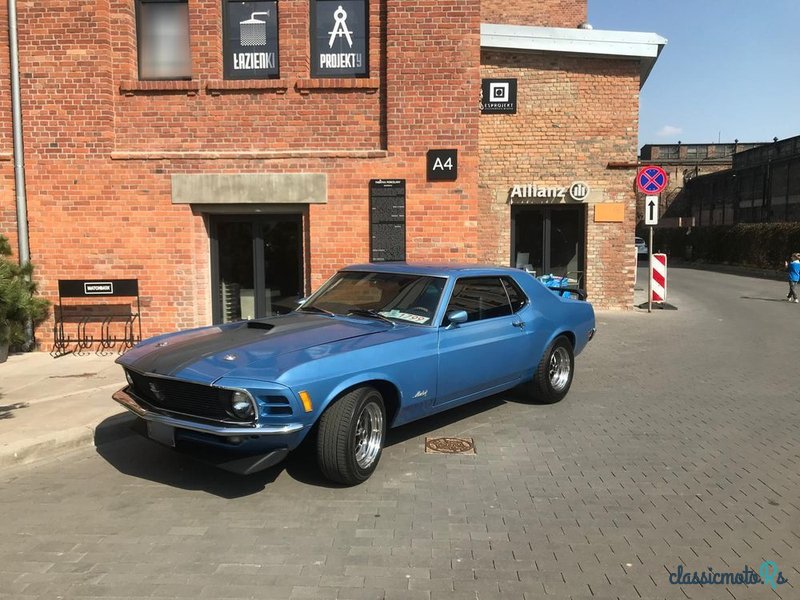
(257, 265)
(549, 239)
(566, 241)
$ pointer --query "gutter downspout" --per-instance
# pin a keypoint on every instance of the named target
(19, 154)
(19, 150)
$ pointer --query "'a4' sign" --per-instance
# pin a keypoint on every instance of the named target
(442, 165)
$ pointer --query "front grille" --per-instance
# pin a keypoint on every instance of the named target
(192, 399)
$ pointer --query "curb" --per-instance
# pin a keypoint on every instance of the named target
(56, 443)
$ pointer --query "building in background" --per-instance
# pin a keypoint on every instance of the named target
(683, 162)
(232, 155)
(762, 185)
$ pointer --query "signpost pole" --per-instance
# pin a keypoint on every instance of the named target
(650, 271)
(651, 181)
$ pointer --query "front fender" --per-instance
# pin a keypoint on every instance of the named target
(357, 380)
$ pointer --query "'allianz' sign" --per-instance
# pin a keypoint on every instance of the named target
(577, 191)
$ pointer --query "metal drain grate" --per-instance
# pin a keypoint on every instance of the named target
(449, 445)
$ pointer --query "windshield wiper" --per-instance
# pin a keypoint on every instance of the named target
(364, 312)
(312, 308)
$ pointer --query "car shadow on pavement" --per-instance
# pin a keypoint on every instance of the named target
(120, 445)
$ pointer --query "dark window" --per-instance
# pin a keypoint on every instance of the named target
(515, 295)
(339, 38)
(697, 152)
(793, 185)
(482, 298)
(162, 28)
(723, 150)
(668, 152)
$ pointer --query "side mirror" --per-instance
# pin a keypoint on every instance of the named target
(300, 301)
(456, 317)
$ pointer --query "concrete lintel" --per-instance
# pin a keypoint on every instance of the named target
(250, 188)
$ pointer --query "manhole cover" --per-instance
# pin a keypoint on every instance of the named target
(449, 445)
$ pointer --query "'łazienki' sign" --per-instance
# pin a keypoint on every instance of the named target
(532, 193)
(339, 38)
(251, 40)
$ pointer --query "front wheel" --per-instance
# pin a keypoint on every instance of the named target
(351, 435)
(554, 374)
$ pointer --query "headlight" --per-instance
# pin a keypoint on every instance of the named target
(129, 378)
(242, 406)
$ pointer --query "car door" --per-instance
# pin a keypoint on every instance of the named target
(487, 352)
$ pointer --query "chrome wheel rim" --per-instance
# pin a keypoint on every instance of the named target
(559, 368)
(369, 435)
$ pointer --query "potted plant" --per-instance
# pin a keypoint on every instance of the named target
(19, 304)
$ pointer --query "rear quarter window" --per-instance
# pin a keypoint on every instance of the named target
(516, 296)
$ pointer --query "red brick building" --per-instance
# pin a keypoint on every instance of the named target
(162, 144)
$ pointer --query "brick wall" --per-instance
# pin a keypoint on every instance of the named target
(574, 116)
(544, 13)
(101, 147)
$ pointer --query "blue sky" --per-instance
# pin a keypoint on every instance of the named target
(731, 68)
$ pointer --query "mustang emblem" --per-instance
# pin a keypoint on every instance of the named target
(421, 394)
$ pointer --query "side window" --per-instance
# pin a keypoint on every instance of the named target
(162, 37)
(482, 298)
(515, 295)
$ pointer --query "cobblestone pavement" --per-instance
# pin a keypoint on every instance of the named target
(678, 445)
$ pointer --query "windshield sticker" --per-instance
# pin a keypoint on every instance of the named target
(396, 314)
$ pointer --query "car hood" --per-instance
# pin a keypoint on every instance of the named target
(204, 355)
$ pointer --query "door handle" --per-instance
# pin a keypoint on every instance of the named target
(520, 324)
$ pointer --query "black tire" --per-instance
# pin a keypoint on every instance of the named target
(551, 383)
(346, 451)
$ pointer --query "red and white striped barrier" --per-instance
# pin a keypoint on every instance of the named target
(658, 283)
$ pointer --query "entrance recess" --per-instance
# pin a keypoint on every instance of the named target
(549, 239)
(256, 265)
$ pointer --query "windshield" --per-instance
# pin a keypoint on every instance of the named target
(409, 299)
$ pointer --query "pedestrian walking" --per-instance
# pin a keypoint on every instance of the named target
(793, 269)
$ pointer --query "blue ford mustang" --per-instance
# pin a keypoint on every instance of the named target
(376, 347)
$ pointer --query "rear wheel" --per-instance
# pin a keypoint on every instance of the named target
(351, 436)
(553, 376)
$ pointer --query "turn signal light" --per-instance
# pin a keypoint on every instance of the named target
(307, 405)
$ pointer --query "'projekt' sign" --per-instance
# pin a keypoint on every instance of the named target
(339, 38)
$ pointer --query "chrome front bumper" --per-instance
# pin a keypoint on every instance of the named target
(129, 401)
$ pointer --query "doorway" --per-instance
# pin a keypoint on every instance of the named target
(549, 239)
(256, 265)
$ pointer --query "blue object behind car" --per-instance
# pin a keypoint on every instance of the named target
(377, 346)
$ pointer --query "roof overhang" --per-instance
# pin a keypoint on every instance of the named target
(624, 45)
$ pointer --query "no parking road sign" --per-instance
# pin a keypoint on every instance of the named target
(652, 180)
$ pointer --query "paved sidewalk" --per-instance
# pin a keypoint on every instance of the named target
(49, 406)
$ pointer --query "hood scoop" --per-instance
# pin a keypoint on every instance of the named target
(260, 325)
